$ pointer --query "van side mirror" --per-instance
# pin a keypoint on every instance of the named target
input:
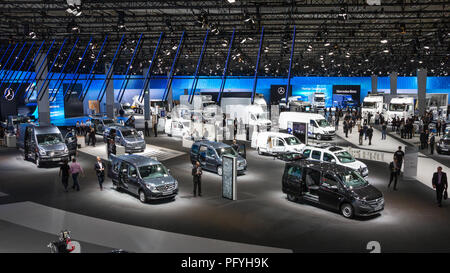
(333, 160)
(133, 175)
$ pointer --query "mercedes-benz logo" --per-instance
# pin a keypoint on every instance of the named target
(281, 90)
(9, 94)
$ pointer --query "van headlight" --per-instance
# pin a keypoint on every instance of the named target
(42, 152)
(176, 184)
(66, 150)
(151, 186)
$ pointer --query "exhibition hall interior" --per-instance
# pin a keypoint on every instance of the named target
(224, 126)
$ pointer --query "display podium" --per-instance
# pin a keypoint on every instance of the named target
(229, 176)
(11, 141)
(81, 141)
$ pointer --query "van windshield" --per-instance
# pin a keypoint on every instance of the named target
(353, 179)
(130, 133)
(49, 139)
(153, 171)
(345, 157)
(226, 151)
(292, 140)
(322, 123)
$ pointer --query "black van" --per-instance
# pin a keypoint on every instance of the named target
(333, 186)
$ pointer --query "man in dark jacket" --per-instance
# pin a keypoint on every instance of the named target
(432, 142)
(197, 178)
(100, 170)
(394, 170)
(440, 184)
(369, 134)
(399, 155)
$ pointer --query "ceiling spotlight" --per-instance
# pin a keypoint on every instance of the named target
(386, 51)
(327, 44)
(383, 41)
(174, 47)
(231, 1)
(331, 53)
(243, 40)
(426, 47)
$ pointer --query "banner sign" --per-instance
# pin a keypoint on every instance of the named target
(350, 90)
(278, 92)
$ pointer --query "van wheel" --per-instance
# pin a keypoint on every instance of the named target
(291, 197)
(219, 170)
(142, 197)
(169, 135)
(347, 210)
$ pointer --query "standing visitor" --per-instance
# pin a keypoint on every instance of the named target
(399, 155)
(75, 170)
(197, 178)
(64, 171)
(100, 171)
(432, 142)
(383, 131)
(370, 134)
(439, 182)
(394, 170)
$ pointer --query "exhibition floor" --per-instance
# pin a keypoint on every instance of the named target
(261, 220)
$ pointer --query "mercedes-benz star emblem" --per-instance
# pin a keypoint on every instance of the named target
(9, 94)
(281, 90)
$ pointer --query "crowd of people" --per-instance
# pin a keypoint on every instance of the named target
(88, 130)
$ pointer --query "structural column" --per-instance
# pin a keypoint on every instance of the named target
(421, 89)
(146, 97)
(44, 103)
(374, 84)
(393, 81)
(109, 99)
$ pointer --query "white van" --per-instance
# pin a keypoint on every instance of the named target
(336, 155)
(273, 143)
(177, 127)
(318, 127)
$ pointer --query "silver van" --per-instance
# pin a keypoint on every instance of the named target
(42, 144)
(142, 176)
(128, 137)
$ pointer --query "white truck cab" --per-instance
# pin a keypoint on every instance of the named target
(318, 126)
(372, 104)
(402, 107)
(274, 143)
(318, 100)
